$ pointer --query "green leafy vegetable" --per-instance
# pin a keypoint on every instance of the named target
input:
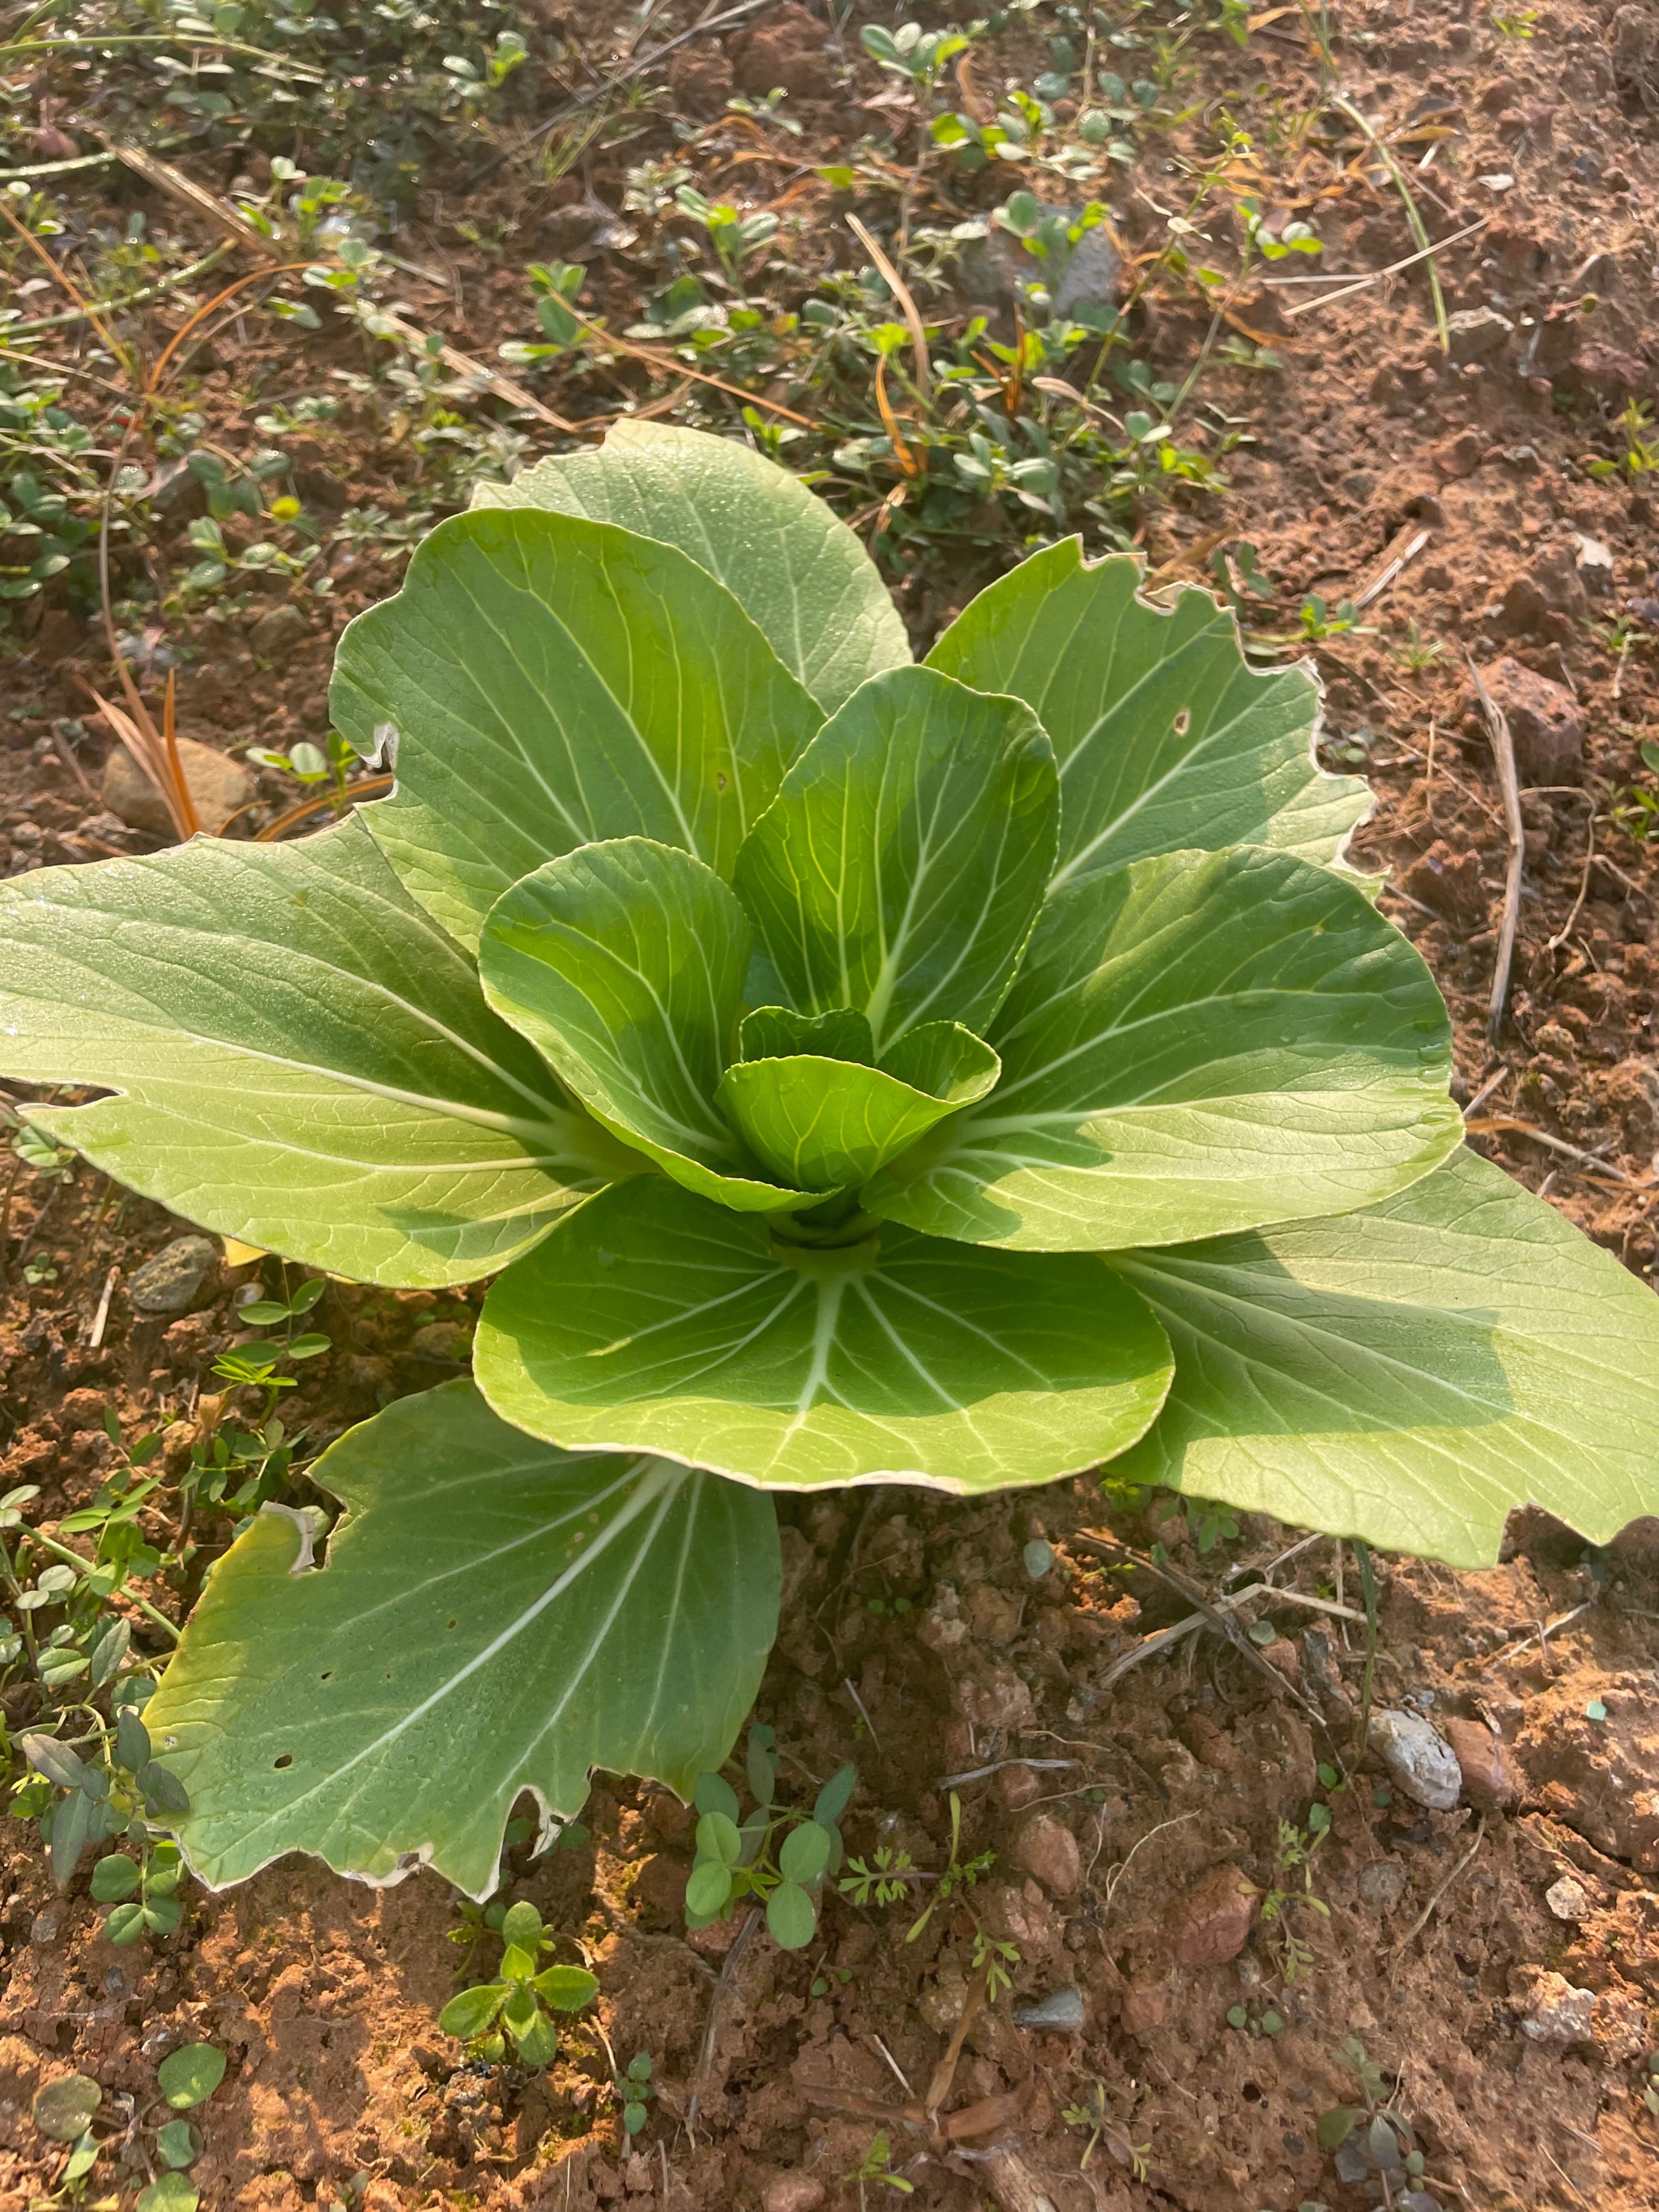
(796, 569)
(493, 1616)
(961, 1074)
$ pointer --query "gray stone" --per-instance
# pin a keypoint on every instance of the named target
(1476, 331)
(1062, 2009)
(1568, 1899)
(172, 1282)
(1419, 1759)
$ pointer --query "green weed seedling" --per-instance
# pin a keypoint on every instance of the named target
(738, 1857)
(877, 2166)
(1371, 2143)
(735, 237)
(890, 1874)
(956, 1201)
(519, 2005)
(67, 2110)
(634, 2091)
(1636, 809)
(910, 52)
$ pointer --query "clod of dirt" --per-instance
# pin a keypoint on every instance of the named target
(1146, 2006)
(275, 632)
(1548, 600)
(1212, 1923)
(1553, 2011)
(1490, 1781)
(1597, 1774)
(442, 1340)
(173, 1281)
(1382, 1884)
(1419, 1760)
(1475, 332)
(701, 81)
(793, 2192)
(1544, 720)
(1046, 1848)
(786, 51)
(1458, 457)
(1634, 39)
(1448, 883)
(218, 786)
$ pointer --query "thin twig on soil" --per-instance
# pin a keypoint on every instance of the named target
(1502, 747)
(1494, 1124)
(1413, 214)
(745, 1935)
(1427, 1913)
(1353, 284)
(1217, 1616)
(1545, 1629)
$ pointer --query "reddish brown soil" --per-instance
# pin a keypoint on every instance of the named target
(1426, 1935)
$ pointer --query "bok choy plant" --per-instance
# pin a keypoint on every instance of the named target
(849, 1071)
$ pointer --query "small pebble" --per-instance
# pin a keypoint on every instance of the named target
(1568, 1899)
(1419, 1759)
(1062, 2009)
(171, 1282)
(1556, 2012)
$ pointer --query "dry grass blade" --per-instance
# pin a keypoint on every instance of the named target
(666, 365)
(944, 2073)
(1352, 284)
(383, 323)
(1413, 215)
(154, 752)
(1489, 1124)
(61, 278)
(901, 291)
(356, 794)
(1503, 746)
(183, 189)
(1398, 556)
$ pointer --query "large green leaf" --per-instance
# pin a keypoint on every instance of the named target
(818, 1124)
(794, 567)
(901, 866)
(624, 963)
(551, 681)
(494, 1616)
(1167, 739)
(1202, 1043)
(300, 1058)
(663, 1322)
(1410, 1374)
